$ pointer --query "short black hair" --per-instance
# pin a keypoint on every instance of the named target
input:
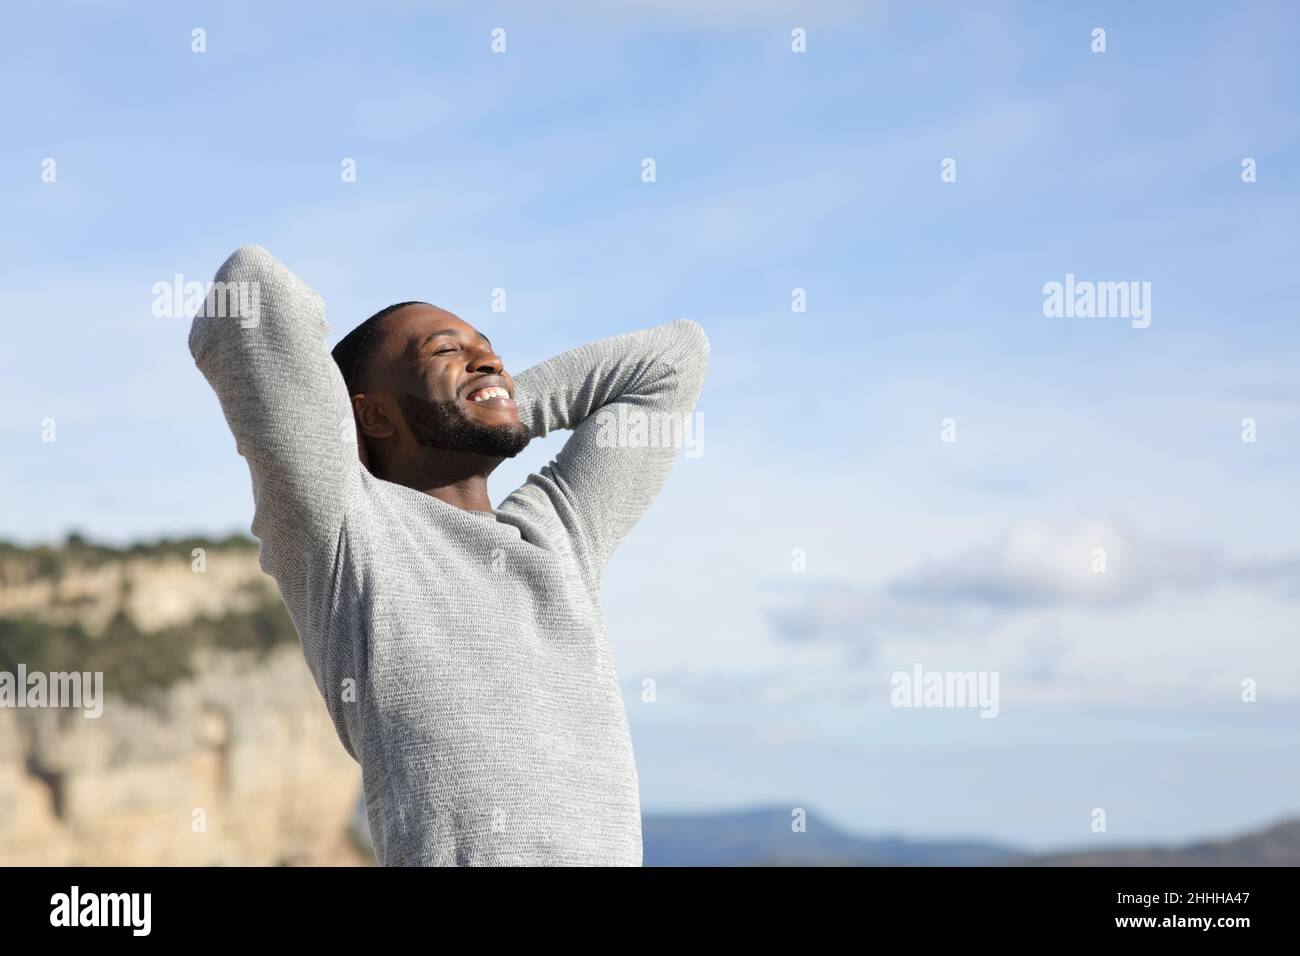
(354, 351)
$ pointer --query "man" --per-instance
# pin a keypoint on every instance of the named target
(460, 650)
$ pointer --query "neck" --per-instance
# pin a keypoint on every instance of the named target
(458, 478)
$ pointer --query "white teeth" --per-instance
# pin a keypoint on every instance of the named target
(492, 391)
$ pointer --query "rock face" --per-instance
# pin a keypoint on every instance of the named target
(156, 590)
(235, 765)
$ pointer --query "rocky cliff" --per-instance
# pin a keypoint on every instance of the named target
(213, 746)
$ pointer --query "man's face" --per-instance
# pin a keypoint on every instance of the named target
(451, 388)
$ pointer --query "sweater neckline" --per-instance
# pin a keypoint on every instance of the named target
(432, 502)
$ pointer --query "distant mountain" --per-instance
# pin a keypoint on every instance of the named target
(763, 837)
(1278, 845)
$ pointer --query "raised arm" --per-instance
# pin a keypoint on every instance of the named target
(630, 401)
(283, 396)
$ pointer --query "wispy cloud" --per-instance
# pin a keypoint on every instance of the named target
(1031, 600)
(1034, 565)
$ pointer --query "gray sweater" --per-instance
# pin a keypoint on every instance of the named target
(462, 655)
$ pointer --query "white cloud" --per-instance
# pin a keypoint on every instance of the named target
(1095, 563)
(1169, 626)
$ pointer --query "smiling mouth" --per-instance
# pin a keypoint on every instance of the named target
(490, 395)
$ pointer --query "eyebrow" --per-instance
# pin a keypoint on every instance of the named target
(433, 335)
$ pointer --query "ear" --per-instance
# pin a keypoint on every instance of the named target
(362, 453)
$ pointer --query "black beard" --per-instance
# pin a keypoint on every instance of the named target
(448, 427)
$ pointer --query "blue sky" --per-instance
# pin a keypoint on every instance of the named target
(775, 170)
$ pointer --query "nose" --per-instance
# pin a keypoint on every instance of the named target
(485, 360)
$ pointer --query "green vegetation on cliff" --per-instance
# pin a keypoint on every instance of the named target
(136, 665)
(46, 561)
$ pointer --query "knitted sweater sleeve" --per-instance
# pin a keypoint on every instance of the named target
(629, 401)
(260, 340)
